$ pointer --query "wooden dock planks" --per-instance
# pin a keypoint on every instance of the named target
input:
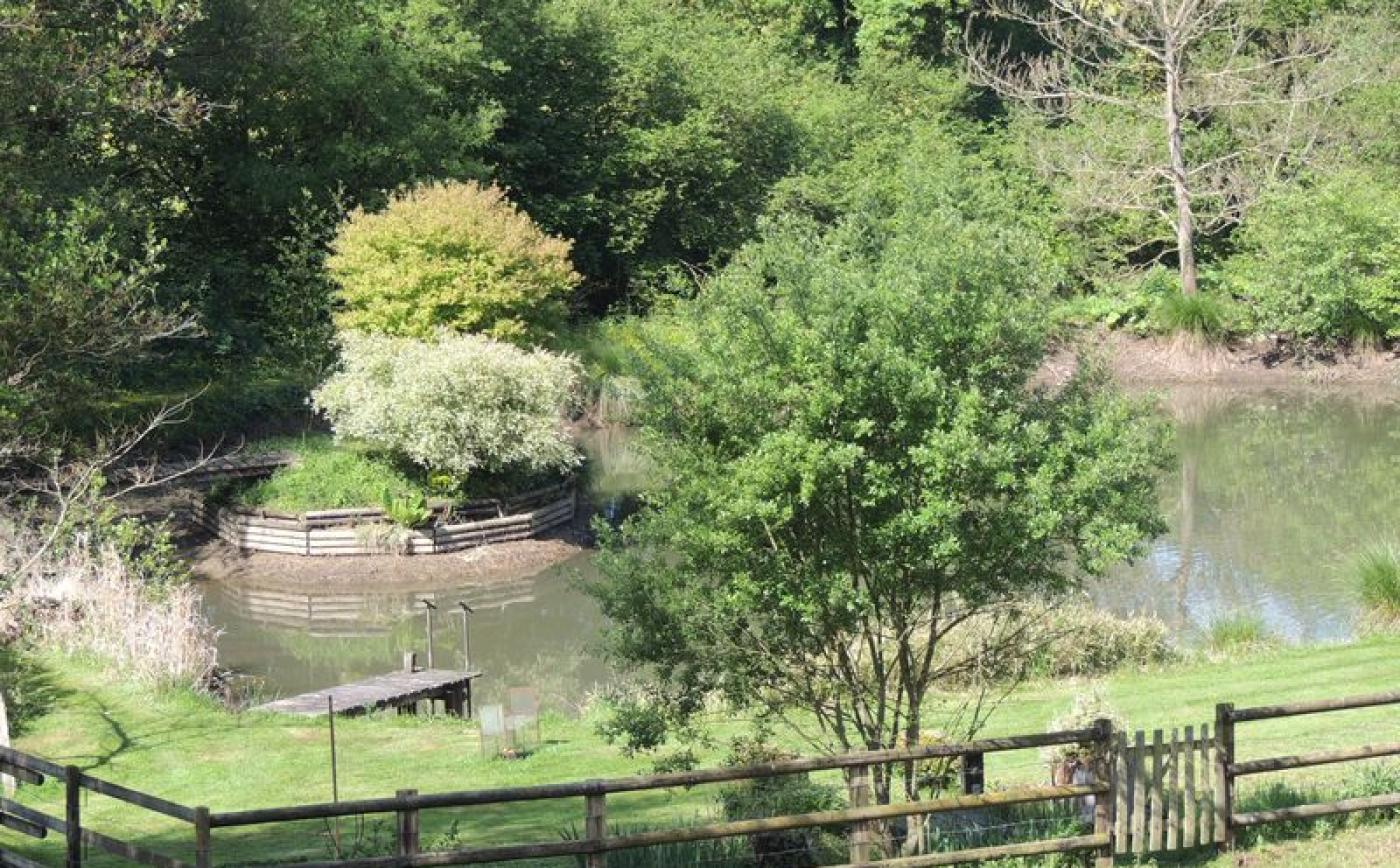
(394, 690)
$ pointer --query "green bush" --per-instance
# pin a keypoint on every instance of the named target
(454, 256)
(455, 404)
(1378, 572)
(328, 476)
(1067, 640)
(1128, 302)
(25, 687)
(1321, 261)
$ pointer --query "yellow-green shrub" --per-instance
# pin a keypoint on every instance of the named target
(454, 256)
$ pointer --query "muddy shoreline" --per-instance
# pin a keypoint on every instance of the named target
(1146, 362)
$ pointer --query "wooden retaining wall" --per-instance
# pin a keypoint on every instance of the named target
(369, 531)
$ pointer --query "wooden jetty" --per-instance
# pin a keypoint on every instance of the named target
(401, 690)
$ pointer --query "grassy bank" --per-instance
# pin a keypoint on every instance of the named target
(187, 749)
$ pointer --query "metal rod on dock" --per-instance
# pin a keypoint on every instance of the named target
(466, 638)
(431, 609)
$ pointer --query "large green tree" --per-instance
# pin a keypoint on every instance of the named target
(853, 461)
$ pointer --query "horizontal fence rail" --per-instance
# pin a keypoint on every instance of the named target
(353, 532)
(637, 783)
(37, 824)
(1172, 791)
(1228, 770)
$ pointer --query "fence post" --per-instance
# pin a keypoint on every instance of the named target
(859, 788)
(595, 823)
(203, 857)
(408, 826)
(73, 823)
(1103, 803)
(1224, 785)
(974, 771)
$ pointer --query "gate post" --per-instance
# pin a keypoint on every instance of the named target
(72, 818)
(1105, 771)
(1224, 783)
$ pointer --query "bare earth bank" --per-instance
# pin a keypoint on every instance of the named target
(1158, 361)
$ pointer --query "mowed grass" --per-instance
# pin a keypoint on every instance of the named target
(187, 749)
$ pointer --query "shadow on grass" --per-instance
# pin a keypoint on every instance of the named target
(30, 689)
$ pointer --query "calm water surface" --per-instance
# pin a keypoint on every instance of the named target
(1275, 493)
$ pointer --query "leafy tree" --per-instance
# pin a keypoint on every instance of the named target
(1321, 260)
(854, 463)
(450, 256)
(455, 404)
(1179, 111)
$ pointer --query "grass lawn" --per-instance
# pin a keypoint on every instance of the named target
(186, 749)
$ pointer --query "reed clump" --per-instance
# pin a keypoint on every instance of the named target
(1378, 575)
(1239, 632)
(93, 597)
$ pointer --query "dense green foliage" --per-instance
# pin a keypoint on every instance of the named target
(452, 256)
(1322, 260)
(174, 174)
(455, 404)
(848, 451)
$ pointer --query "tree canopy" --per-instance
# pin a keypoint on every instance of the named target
(853, 460)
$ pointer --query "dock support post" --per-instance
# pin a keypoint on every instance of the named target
(595, 824)
(408, 826)
(73, 824)
(203, 857)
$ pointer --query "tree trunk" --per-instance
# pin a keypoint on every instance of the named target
(1185, 219)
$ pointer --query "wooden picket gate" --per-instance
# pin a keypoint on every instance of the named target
(1165, 796)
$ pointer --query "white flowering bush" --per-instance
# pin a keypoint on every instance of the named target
(1086, 707)
(456, 404)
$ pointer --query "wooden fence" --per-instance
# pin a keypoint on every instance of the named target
(1146, 796)
(359, 531)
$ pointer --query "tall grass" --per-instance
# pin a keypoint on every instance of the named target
(87, 600)
(1366, 780)
(1201, 314)
(1044, 640)
(1378, 574)
(1241, 631)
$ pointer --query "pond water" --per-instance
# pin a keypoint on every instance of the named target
(1274, 494)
